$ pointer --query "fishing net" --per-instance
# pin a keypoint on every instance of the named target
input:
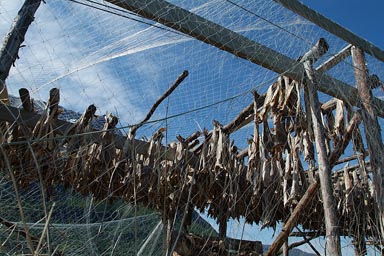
(94, 71)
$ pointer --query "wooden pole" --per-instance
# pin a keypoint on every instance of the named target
(335, 59)
(12, 42)
(304, 241)
(293, 219)
(371, 129)
(178, 81)
(325, 175)
(285, 248)
(223, 227)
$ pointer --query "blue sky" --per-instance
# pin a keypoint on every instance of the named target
(363, 17)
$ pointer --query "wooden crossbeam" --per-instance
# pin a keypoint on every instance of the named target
(334, 60)
(214, 34)
(332, 27)
(29, 119)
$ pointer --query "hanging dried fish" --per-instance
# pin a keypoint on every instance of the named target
(339, 128)
(356, 180)
(222, 150)
(348, 190)
(271, 100)
(44, 128)
(287, 179)
(267, 140)
(203, 156)
(329, 129)
(280, 134)
(338, 192)
(81, 127)
(309, 154)
(254, 156)
(295, 188)
(291, 98)
(212, 149)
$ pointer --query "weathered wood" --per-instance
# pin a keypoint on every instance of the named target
(305, 241)
(26, 100)
(245, 116)
(331, 224)
(318, 50)
(223, 227)
(178, 81)
(335, 59)
(242, 119)
(310, 234)
(375, 82)
(332, 27)
(234, 43)
(293, 219)
(329, 106)
(346, 159)
(343, 143)
(308, 240)
(12, 42)
(372, 130)
(285, 248)
(30, 119)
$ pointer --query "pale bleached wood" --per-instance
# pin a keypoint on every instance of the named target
(371, 129)
(329, 206)
(335, 59)
(178, 81)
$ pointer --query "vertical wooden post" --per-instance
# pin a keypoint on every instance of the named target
(223, 227)
(285, 248)
(13, 40)
(331, 225)
(371, 129)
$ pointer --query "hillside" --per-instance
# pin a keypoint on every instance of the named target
(80, 226)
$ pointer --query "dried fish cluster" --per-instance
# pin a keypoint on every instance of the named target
(262, 184)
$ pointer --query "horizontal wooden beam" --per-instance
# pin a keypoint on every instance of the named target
(332, 27)
(29, 119)
(334, 60)
(214, 34)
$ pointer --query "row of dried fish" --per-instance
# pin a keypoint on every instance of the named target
(261, 188)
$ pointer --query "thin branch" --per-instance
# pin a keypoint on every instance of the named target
(307, 240)
(45, 230)
(178, 81)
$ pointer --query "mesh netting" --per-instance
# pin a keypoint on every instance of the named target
(108, 198)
